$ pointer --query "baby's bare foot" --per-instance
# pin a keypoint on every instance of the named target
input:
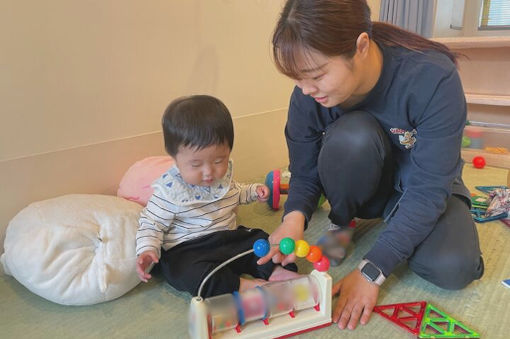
(281, 273)
(246, 284)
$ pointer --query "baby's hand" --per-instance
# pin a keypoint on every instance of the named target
(262, 192)
(143, 262)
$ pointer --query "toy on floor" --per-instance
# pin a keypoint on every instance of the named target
(276, 309)
(494, 207)
(506, 283)
(479, 162)
(277, 188)
(424, 320)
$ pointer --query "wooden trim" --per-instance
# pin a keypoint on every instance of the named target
(488, 99)
(475, 42)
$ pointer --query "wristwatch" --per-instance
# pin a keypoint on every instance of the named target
(371, 272)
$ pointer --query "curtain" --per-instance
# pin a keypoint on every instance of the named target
(413, 15)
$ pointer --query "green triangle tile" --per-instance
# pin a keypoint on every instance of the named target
(437, 324)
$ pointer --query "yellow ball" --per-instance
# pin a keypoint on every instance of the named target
(302, 248)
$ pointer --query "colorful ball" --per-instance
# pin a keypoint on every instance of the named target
(322, 265)
(315, 254)
(287, 246)
(261, 247)
(302, 248)
(479, 162)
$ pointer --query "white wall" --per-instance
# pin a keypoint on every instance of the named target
(81, 72)
(83, 85)
(375, 6)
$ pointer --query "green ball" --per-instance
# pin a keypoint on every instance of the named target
(466, 141)
(287, 246)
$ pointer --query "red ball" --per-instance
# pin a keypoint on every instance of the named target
(322, 265)
(478, 162)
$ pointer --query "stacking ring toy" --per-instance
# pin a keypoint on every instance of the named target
(277, 188)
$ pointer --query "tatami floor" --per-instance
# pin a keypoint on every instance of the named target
(155, 310)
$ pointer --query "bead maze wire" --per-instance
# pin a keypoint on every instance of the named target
(226, 262)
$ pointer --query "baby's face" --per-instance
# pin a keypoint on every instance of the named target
(202, 167)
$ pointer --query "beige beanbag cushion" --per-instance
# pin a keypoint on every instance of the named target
(75, 249)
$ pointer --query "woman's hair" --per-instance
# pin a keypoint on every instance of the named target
(196, 121)
(332, 27)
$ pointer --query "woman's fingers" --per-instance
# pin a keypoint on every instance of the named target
(270, 255)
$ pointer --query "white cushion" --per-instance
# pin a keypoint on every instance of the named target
(75, 249)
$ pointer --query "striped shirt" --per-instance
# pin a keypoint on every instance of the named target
(178, 212)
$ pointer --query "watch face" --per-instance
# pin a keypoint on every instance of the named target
(370, 271)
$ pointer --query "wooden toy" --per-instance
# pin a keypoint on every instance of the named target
(276, 309)
(277, 188)
(424, 320)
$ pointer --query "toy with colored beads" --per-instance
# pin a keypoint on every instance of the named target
(300, 248)
(279, 308)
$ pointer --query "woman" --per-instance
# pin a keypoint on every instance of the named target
(375, 122)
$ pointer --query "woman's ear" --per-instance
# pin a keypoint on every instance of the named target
(363, 45)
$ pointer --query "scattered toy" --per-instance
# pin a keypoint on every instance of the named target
(425, 321)
(479, 162)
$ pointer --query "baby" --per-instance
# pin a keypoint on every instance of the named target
(189, 224)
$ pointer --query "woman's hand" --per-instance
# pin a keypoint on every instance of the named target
(143, 262)
(357, 298)
(293, 227)
(262, 193)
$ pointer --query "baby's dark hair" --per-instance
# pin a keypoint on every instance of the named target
(196, 121)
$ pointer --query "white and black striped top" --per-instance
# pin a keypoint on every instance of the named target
(178, 212)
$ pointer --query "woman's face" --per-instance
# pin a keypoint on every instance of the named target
(329, 80)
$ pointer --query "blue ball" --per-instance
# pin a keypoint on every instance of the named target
(261, 247)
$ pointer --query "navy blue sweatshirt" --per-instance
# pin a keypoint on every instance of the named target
(419, 102)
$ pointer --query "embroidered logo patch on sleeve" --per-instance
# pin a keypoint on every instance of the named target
(406, 138)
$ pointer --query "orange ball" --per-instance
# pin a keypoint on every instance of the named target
(315, 254)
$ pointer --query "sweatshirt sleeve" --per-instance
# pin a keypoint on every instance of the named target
(438, 103)
(155, 220)
(248, 192)
(303, 133)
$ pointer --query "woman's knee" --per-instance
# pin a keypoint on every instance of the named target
(451, 271)
(353, 133)
(357, 138)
